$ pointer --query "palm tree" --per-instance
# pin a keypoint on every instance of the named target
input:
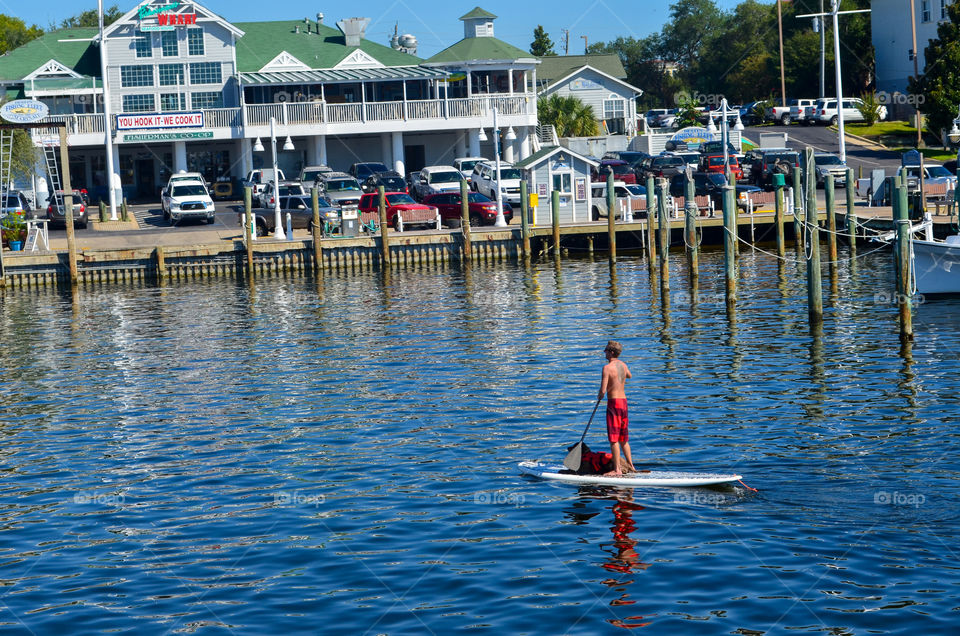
(569, 116)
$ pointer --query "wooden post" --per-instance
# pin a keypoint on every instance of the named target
(814, 285)
(68, 205)
(797, 207)
(651, 217)
(664, 230)
(102, 208)
(729, 241)
(555, 212)
(736, 215)
(829, 195)
(465, 220)
(524, 217)
(902, 255)
(248, 228)
(124, 211)
(851, 216)
(778, 216)
(690, 226)
(384, 240)
(161, 264)
(611, 216)
(317, 230)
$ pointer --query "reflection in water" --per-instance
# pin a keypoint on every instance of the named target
(624, 559)
(907, 381)
(817, 395)
(614, 294)
(665, 336)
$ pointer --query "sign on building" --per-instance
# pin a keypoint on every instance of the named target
(143, 121)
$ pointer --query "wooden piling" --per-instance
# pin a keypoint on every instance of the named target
(664, 235)
(851, 220)
(814, 284)
(651, 217)
(384, 240)
(524, 218)
(555, 220)
(901, 215)
(690, 226)
(161, 263)
(248, 227)
(68, 205)
(611, 216)
(778, 218)
(317, 229)
(829, 195)
(797, 207)
(465, 220)
(729, 242)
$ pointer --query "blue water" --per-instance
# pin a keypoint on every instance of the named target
(298, 456)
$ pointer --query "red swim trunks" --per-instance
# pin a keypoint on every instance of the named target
(617, 420)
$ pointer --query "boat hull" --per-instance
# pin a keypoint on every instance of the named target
(937, 267)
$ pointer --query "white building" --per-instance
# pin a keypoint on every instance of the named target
(893, 38)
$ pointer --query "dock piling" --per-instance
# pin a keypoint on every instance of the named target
(384, 240)
(524, 217)
(797, 207)
(248, 227)
(611, 216)
(317, 230)
(829, 195)
(902, 260)
(690, 226)
(68, 206)
(465, 220)
(814, 284)
(778, 213)
(851, 220)
(663, 224)
(555, 220)
(651, 217)
(729, 240)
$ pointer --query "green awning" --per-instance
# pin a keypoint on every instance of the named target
(64, 84)
(332, 76)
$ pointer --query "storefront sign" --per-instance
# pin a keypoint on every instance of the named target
(581, 188)
(24, 111)
(163, 18)
(584, 84)
(542, 190)
(160, 120)
(693, 135)
(204, 134)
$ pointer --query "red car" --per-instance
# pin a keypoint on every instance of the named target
(400, 205)
(483, 210)
(622, 171)
(714, 163)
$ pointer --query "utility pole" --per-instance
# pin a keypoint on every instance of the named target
(783, 81)
(584, 44)
(916, 68)
(566, 41)
(823, 53)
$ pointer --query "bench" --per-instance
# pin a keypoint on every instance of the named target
(417, 217)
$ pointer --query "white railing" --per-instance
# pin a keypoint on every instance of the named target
(304, 112)
(221, 118)
(384, 111)
(425, 109)
(260, 114)
(511, 105)
(82, 124)
(467, 107)
(344, 113)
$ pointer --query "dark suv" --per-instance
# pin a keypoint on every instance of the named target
(709, 184)
(661, 166)
(360, 171)
(768, 162)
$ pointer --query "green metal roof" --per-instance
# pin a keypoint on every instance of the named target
(70, 47)
(341, 75)
(263, 41)
(479, 49)
(554, 67)
(546, 151)
(65, 84)
(478, 13)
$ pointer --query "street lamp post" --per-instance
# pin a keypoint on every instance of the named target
(725, 133)
(287, 145)
(108, 139)
(500, 222)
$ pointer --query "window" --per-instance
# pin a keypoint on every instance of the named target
(195, 41)
(212, 99)
(143, 45)
(138, 103)
(925, 10)
(172, 101)
(168, 43)
(943, 9)
(613, 109)
(136, 75)
(562, 182)
(171, 74)
(205, 73)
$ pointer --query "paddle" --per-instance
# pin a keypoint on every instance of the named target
(572, 460)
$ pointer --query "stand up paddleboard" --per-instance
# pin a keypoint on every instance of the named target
(653, 478)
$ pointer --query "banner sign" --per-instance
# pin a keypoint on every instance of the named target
(203, 134)
(160, 120)
(163, 18)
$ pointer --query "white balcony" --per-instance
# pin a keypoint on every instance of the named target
(323, 118)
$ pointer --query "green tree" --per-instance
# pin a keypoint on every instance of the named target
(14, 32)
(869, 108)
(939, 85)
(542, 44)
(687, 113)
(646, 68)
(88, 18)
(569, 116)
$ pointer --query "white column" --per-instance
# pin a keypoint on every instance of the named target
(524, 142)
(474, 142)
(319, 150)
(469, 84)
(179, 156)
(510, 80)
(240, 169)
(386, 148)
(508, 149)
(398, 158)
(461, 144)
(115, 179)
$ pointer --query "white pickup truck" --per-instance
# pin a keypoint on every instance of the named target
(258, 180)
(782, 114)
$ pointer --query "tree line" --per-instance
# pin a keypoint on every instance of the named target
(14, 32)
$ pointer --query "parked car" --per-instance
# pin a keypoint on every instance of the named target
(826, 113)
(300, 208)
(187, 176)
(341, 189)
(598, 195)
(57, 216)
(826, 163)
(780, 113)
(187, 200)
(411, 179)
(714, 163)
(16, 203)
(482, 209)
(800, 113)
(465, 165)
(436, 179)
(767, 162)
(748, 114)
(360, 171)
(401, 205)
(661, 166)
(286, 189)
(716, 148)
(485, 182)
(621, 171)
(258, 179)
(932, 174)
(311, 174)
(667, 119)
(710, 184)
(653, 114)
(390, 180)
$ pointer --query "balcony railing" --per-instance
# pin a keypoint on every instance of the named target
(309, 113)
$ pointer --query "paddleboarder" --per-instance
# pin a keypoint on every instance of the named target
(612, 383)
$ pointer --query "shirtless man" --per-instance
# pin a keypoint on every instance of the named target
(612, 381)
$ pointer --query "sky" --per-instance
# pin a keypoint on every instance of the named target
(435, 24)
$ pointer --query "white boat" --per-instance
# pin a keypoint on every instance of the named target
(936, 265)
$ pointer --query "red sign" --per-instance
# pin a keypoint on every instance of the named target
(160, 120)
(176, 19)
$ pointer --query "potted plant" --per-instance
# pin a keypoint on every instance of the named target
(14, 230)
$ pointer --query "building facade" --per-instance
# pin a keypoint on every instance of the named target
(892, 36)
(190, 91)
